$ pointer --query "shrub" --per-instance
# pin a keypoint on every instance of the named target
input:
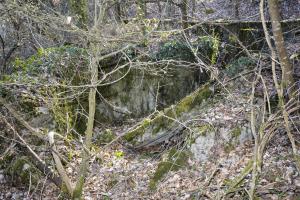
(175, 50)
(50, 75)
(238, 65)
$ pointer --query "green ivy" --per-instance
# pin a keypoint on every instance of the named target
(62, 62)
(175, 50)
(238, 65)
(54, 69)
(80, 8)
(208, 48)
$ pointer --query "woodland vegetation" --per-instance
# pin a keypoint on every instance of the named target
(149, 99)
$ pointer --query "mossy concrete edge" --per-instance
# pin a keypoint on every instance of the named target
(183, 106)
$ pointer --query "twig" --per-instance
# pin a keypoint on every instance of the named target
(58, 164)
(256, 143)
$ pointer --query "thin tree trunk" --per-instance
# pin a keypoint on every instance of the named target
(286, 67)
(89, 131)
(141, 15)
(118, 10)
(193, 7)
(236, 9)
(184, 14)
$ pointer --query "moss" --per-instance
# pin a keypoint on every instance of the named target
(190, 101)
(209, 11)
(176, 160)
(4, 161)
(229, 146)
(234, 135)
(64, 194)
(160, 121)
(77, 193)
(23, 171)
(209, 46)
(63, 112)
(66, 65)
(140, 130)
(105, 137)
(160, 125)
(232, 39)
(297, 160)
(125, 98)
(177, 50)
(131, 136)
(236, 132)
(201, 130)
(204, 129)
(239, 65)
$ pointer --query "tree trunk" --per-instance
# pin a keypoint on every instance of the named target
(184, 14)
(141, 15)
(89, 130)
(236, 9)
(193, 7)
(118, 11)
(286, 67)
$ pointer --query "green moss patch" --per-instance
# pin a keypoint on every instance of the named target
(236, 132)
(239, 65)
(209, 11)
(234, 136)
(176, 160)
(131, 136)
(204, 129)
(105, 137)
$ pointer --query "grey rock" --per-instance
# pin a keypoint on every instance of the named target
(2, 179)
(202, 146)
(8, 195)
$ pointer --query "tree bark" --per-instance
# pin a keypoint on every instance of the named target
(141, 15)
(286, 67)
(184, 14)
(193, 7)
(118, 10)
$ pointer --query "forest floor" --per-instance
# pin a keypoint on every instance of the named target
(117, 172)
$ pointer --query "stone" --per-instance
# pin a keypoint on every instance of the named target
(139, 93)
(8, 195)
(16, 196)
(2, 179)
(297, 182)
(202, 146)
